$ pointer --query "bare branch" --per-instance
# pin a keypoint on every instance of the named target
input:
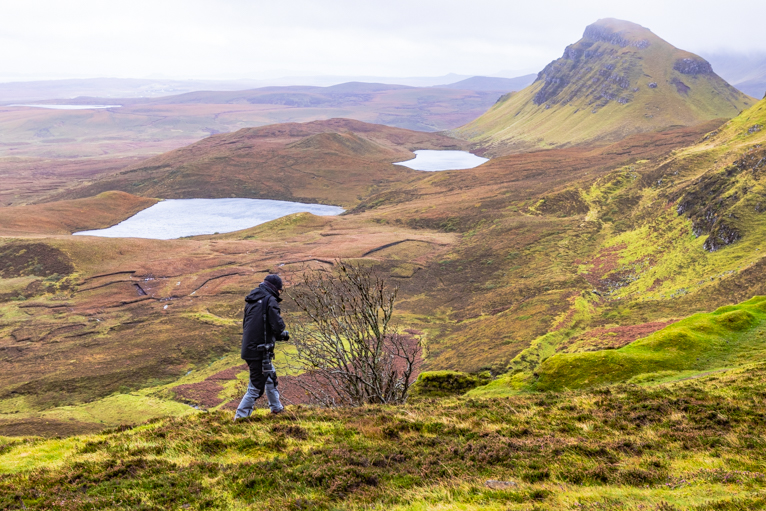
(347, 347)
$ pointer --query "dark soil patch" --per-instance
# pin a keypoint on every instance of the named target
(47, 427)
(39, 259)
(204, 393)
(566, 203)
(681, 87)
(290, 393)
(227, 374)
(613, 338)
(602, 265)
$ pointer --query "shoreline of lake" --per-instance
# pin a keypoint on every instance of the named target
(179, 218)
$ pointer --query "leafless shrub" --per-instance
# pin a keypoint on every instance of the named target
(346, 345)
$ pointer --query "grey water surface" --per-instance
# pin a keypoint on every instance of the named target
(176, 218)
(433, 161)
(71, 107)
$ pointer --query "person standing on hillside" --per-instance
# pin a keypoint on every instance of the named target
(262, 326)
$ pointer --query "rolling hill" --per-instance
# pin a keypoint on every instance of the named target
(681, 237)
(480, 275)
(491, 83)
(617, 80)
(593, 314)
(338, 161)
(44, 150)
(68, 216)
(695, 445)
(502, 266)
(747, 72)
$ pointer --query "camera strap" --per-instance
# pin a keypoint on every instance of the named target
(264, 306)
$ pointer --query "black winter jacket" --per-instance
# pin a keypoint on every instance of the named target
(253, 333)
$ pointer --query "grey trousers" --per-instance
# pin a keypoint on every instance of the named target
(245, 407)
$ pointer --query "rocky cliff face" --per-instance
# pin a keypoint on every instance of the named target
(588, 71)
(697, 66)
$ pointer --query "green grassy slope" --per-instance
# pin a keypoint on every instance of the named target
(694, 445)
(676, 238)
(728, 337)
(618, 79)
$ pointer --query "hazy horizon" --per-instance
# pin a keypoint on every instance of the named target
(240, 40)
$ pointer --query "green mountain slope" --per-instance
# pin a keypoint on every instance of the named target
(728, 337)
(675, 238)
(617, 80)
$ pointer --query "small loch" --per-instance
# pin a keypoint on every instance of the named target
(434, 161)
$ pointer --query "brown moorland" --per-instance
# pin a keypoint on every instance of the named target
(32, 180)
(84, 318)
(45, 150)
(338, 161)
(500, 266)
(68, 216)
(481, 273)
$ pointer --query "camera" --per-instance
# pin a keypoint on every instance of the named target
(284, 336)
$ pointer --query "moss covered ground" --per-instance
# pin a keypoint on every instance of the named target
(695, 444)
(731, 336)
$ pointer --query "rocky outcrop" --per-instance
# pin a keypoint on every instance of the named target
(693, 67)
(596, 73)
(722, 236)
(715, 202)
(553, 84)
(681, 87)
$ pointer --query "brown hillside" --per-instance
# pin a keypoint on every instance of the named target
(337, 161)
(500, 266)
(66, 217)
(44, 152)
(480, 275)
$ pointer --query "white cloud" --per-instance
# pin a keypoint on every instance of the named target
(255, 39)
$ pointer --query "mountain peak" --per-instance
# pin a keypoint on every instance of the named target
(619, 79)
(618, 32)
(625, 33)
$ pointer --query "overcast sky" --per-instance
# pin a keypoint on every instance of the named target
(226, 39)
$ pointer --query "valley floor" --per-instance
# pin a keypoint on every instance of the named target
(563, 276)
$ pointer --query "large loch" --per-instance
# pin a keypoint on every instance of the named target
(177, 218)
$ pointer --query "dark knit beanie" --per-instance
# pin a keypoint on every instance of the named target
(274, 280)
